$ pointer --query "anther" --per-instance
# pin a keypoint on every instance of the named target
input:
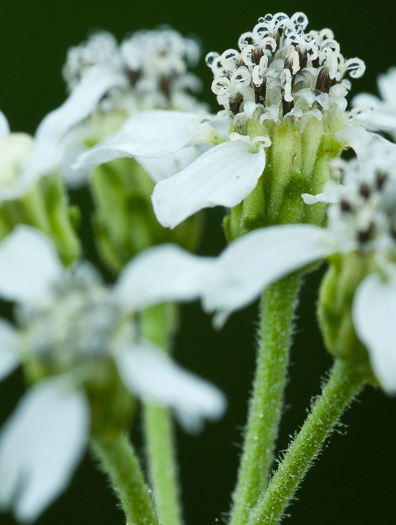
(235, 103)
(256, 55)
(364, 190)
(380, 178)
(366, 234)
(345, 206)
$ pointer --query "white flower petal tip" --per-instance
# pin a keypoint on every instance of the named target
(258, 259)
(223, 176)
(4, 126)
(160, 274)
(356, 137)
(28, 265)
(147, 134)
(331, 195)
(150, 374)
(40, 447)
(9, 358)
(374, 313)
(48, 151)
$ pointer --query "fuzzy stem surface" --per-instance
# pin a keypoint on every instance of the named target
(265, 408)
(119, 461)
(157, 326)
(345, 382)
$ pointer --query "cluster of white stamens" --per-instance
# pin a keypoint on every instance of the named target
(73, 323)
(153, 62)
(365, 213)
(282, 70)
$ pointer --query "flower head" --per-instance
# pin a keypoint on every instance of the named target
(281, 70)
(78, 342)
(153, 63)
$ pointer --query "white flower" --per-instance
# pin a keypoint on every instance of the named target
(280, 75)
(362, 219)
(379, 114)
(153, 65)
(23, 161)
(71, 324)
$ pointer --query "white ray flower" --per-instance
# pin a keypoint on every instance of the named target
(281, 76)
(23, 160)
(361, 223)
(379, 114)
(154, 67)
(80, 335)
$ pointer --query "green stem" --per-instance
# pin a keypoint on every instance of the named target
(344, 384)
(157, 326)
(277, 311)
(119, 461)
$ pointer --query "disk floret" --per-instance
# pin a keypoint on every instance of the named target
(101, 48)
(157, 62)
(72, 325)
(280, 70)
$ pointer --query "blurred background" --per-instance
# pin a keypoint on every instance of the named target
(353, 480)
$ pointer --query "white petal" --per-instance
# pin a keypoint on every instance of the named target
(374, 314)
(73, 145)
(162, 273)
(40, 447)
(258, 259)
(147, 134)
(4, 126)
(355, 137)
(47, 152)
(223, 176)
(9, 358)
(160, 168)
(365, 100)
(150, 374)
(330, 195)
(387, 85)
(28, 265)
(380, 119)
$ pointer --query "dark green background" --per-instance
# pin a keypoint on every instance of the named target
(353, 481)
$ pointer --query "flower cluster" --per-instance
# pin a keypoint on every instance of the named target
(152, 63)
(280, 70)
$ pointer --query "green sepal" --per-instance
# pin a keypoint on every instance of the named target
(253, 222)
(336, 295)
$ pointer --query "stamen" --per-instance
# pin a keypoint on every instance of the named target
(280, 61)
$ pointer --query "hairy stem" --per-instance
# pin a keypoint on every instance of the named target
(345, 382)
(265, 409)
(157, 326)
(119, 461)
